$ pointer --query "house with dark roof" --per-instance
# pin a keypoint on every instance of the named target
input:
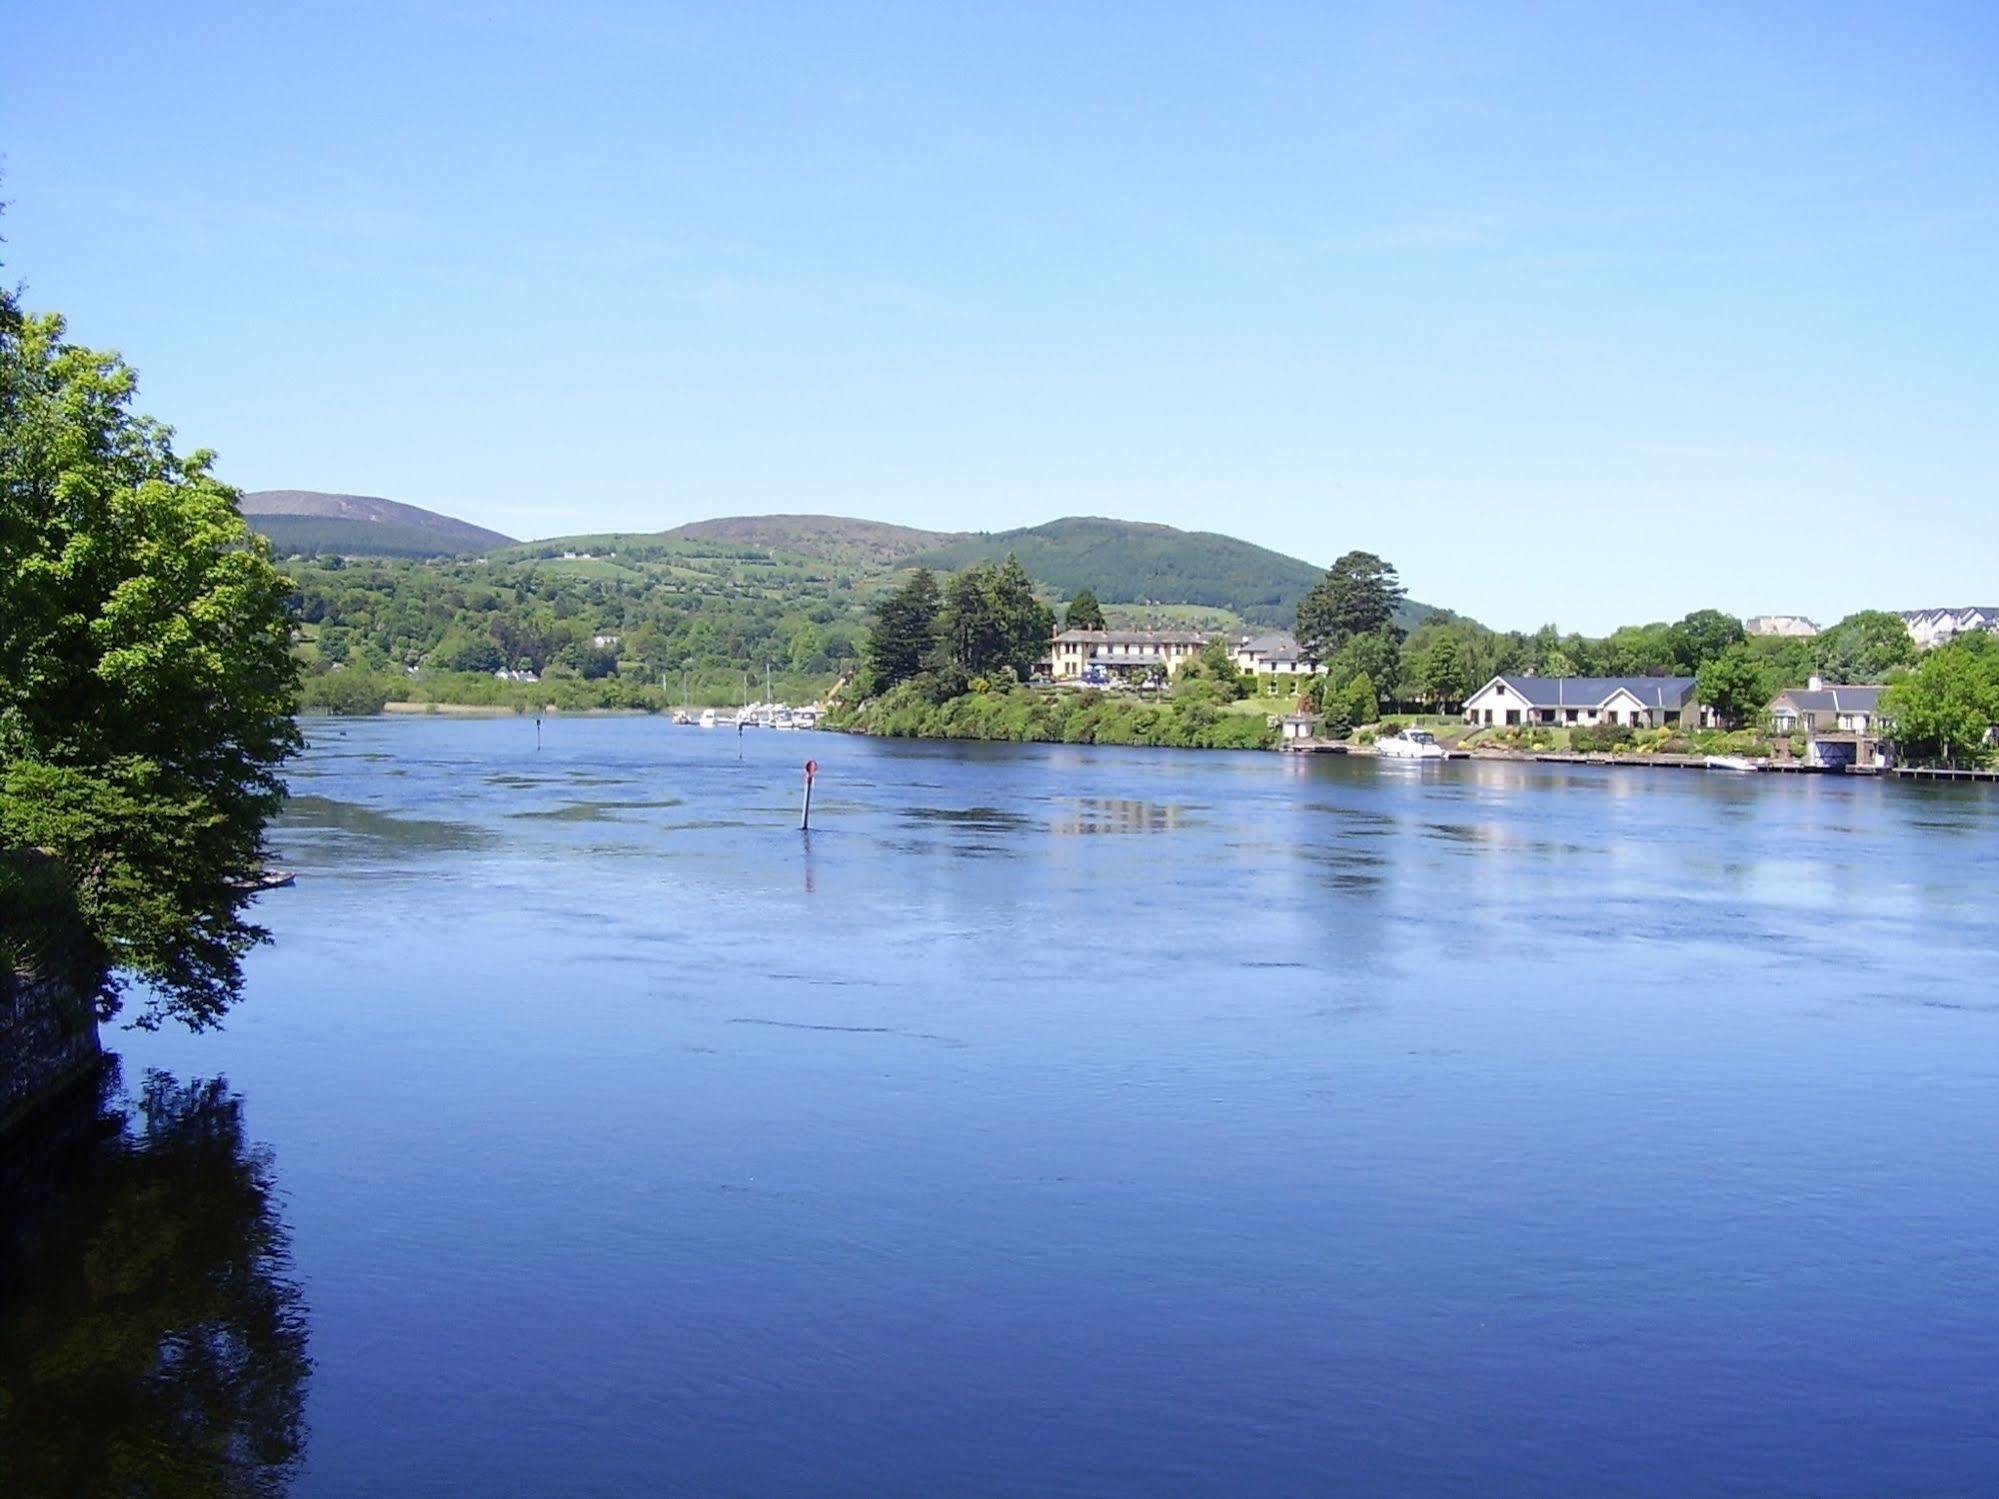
(1842, 722)
(1639, 702)
(1274, 656)
(1092, 655)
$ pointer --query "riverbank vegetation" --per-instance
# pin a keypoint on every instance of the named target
(147, 686)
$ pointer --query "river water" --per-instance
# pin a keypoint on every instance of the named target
(1088, 1121)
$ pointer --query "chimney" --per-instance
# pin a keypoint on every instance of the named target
(1815, 683)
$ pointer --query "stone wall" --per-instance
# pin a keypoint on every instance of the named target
(48, 1040)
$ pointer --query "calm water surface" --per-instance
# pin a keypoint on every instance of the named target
(1063, 1121)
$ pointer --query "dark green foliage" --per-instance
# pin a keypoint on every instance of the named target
(1865, 647)
(1084, 612)
(1023, 715)
(1946, 710)
(351, 693)
(318, 535)
(1735, 684)
(903, 634)
(1702, 637)
(42, 930)
(1359, 595)
(146, 679)
(991, 621)
(1133, 562)
(1601, 737)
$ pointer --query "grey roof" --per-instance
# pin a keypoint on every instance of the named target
(1135, 637)
(1834, 699)
(1667, 693)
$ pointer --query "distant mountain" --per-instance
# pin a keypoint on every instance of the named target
(1136, 561)
(833, 538)
(358, 525)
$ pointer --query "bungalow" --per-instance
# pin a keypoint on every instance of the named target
(1641, 702)
(1094, 654)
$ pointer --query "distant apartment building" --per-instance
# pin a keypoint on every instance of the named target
(1794, 625)
(1080, 655)
(1933, 627)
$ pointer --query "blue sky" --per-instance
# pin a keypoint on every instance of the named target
(1591, 313)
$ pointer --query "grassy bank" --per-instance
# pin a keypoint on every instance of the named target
(1023, 715)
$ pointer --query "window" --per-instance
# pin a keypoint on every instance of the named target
(1513, 715)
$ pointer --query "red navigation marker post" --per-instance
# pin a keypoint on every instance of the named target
(805, 812)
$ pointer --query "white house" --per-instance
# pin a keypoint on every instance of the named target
(1276, 655)
(1640, 702)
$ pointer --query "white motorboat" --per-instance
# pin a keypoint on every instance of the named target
(1731, 762)
(707, 718)
(1410, 744)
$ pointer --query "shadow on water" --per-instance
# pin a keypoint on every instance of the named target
(323, 814)
(152, 1340)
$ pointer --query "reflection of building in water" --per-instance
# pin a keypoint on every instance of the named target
(151, 1338)
(1096, 814)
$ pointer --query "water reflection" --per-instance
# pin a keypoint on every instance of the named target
(152, 1341)
(1112, 814)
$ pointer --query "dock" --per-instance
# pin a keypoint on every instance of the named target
(1942, 773)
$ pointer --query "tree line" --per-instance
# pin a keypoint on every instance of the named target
(984, 623)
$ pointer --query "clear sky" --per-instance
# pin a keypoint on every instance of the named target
(1588, 312)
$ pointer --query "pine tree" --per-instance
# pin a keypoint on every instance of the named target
(903, 632)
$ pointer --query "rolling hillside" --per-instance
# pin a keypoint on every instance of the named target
(1136, 562)
(309, 522)
(831, 538)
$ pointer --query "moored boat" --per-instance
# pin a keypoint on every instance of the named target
(1410, 744)
(1731, 762)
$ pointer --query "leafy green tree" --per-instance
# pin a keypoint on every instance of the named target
(1358, 701)
(1704, 635)
(146, 679)
(903, 633)
(1376, 656)
(1358, 596)
(1641, 651)
(1443, 679)
(1947, 708)
(991, 619)
(1865, 647)
(1734, 684)
(1084, 612)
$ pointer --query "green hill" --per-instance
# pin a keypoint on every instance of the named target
(1137, 562)
(831, 538)
(312, 522)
